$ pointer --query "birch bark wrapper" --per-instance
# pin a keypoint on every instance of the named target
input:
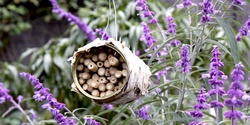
(137, 79)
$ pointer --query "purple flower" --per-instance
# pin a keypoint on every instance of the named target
(243, 31)
(239, 2)
(143, 112)
(153, 21)
(174, 43)
(91, 121)
(185, 4)
(161, 73)
(184, 61)
(233, 114)
(143, 7)
(107, 106)
(147, 37)
(4, 94)
(33, 114)
(201, 105)
(208, 10)
(215, 75)
(90, 34)
(171, 25)
(158, 90)
(137, 53)
(235, 94)
(42, 94)
(19, 98)
(103, 34)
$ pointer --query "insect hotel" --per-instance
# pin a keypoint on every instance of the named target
(108, 72)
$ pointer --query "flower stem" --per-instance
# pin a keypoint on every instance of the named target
(181, 96)
(198, 45)
(73, 115)
(217, 108)
(22, 111)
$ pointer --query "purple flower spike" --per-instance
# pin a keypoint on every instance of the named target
(42, 94)
(184, 61)
(147, 37)
(236, 94)
(171, 25)
(185, 4)
(215, 75)
(107, 106)
(175, 43)
(208, 10)
(91, 121)
(201, 105)
(103, 34)
(90, 34)
(239, 2)
(4, 94)
(143, 112)
(244, 30)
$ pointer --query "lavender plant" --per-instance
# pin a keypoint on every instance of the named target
(182, 73)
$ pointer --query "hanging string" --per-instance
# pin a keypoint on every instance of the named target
(115, 21)
(109, 13)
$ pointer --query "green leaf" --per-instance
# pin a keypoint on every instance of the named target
(191, 95)
(58, 60)
(231, 39)
(47, 60)
(218, 44)
(26, 53)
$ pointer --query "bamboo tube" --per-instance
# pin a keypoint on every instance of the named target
(102, 80)
(101, 71)
(113, 79)
(90, 88)
(113, 61)
(92, 67)
(86, 75)
(116, 88)
(124, 66)
(95, 77)
(121, 59)
(110, 50)
(89, 81)
(102, 56)
(124, 73)
(106, 64)
(109, 93)
(95, 93)
(86, 70)
(94, 58)
(107, 73)
(120, 84)
(103, 94)
(99, 64)
(81, 81)
(87, 55)
(110, 86)
(87, 61)
(81, 60)
(80, 67)
(80, 75)
(85, 87)
(118, 74)
(112, 70)
(102, 87)
(94, 84)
